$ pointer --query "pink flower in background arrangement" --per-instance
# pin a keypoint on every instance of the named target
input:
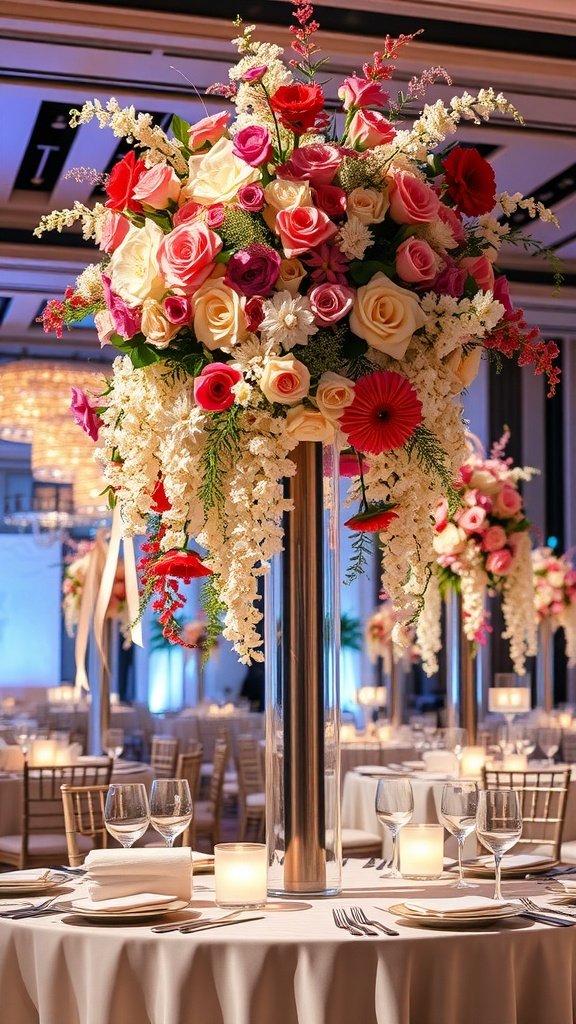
(85, 414)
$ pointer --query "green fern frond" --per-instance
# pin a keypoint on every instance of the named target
(360, 557)
(431, 457)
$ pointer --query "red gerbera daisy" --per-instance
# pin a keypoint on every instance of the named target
(385, 412)
(180, 564)
(375, 519)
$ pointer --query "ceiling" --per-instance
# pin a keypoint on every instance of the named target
(56, 55)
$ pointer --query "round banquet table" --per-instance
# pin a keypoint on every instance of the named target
(292, 967)
(357, 752)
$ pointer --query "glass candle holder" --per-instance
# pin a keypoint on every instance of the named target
(473, 761)
(240, 871)
(421, 851)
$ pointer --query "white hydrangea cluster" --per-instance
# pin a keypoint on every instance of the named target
(428, 628)
(518, 608)
(454, 322)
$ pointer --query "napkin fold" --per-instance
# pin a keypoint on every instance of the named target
(32, 876)
(141, 901)
(568, 884)
(455, 905)
(112, 874)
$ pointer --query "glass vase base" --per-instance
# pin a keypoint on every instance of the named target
(312, 894)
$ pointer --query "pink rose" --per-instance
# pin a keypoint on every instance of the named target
(187, 256)
(480, 268)
(494, 539)
(449, 217)
(115, 227)
(208, 130)
(215, 215)
(213, 388)
(127, 320)
(507, 502)
(104, 327)
(361, 92)
(255, 74)
(251, 197)
(499, 563)
(412, 201)
(450, 281)
(84, 413)
(501, 291)
(368, 128)
(416, 261)
(331, 199)
(441, 514)
(187, 213)
(330, 302)
(158, 187)
(177, 309)
(253, 145)
(472, 520)
(317, 163)
(303, 229)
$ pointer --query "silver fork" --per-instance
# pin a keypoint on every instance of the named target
(530, 905)
(39, 908)
(341, 921)
(360, 917)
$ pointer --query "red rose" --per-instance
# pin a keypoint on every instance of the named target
(120, 185)
(470, 181)
(375, 519)
(298, 106)
(180, 564)
(213, 388)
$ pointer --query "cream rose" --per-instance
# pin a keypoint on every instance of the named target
(466, 367)
(292, 273)
(333, 394)
(309, 425)
(284, 195)
(156, 328)
(368, 204)
(217, 176)
(451, 541)
(133, 268)
(219, 320)
(484, 481)
(386, 316)
(285, 380)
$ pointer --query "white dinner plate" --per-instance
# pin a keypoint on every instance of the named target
(415, 765)
(12, 887)
(375, 770)
(141, 914)
(483, 867)
(434, 920)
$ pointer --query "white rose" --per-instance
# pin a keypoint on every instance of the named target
(451, 541)
(157, 330)
(133, 268)
(218, 176)
(309, 425)
(219, 320)
(285, 380)
(334, 393)
(556, 578)
(284, 195)
(368, 205)
(386, 316)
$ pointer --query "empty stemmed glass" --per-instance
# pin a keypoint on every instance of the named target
(170, 807)
(114, 742)
(498, 825)
(549, 741)
(455, 739)
(126, 812)
(394, 808)
(458, 815)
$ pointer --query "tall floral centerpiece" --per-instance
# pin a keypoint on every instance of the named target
(383, 649)
(73, 591)
(555, 604)
(286, 279)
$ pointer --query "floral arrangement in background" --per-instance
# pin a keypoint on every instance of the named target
(292, 275)
(73, 590)
(484, 548)
(381, 638)
(555, 595)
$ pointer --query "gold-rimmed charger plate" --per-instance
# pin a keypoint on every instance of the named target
(485, 868)
(30, 887)
(116, 916)
(471, 920)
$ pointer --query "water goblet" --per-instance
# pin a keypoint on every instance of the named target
(394, 808)
(549, 741)
(458, 815)
(126, 812)
(455, 740)
(114, 742)
(170, 807)
(524, 737)
(498, 825)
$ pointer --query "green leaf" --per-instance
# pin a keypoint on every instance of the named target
(159, 217)
(180, 128)
(362, 272)
(471, 287)
(143, 355)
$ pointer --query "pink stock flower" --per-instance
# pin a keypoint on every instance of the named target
(253, 145)
(329, 264)
(251, 197)
(494, 539)
(317, 163)
(208, 130)
(213, 388)
(330, 302)
(303, 229)
(500, 563)
(411, 200)
(368, 128)
(84, 413)
(361, 92)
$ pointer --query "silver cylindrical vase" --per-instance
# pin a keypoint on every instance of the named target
(461, 703)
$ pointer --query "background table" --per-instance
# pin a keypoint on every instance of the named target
(292, 967)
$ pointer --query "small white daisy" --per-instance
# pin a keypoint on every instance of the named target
(288, 320)
(354, 238)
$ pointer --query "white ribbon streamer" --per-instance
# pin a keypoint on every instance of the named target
(88, 600)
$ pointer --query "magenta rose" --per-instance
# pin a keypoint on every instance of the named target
(450, 281)
(114, 230)
(473, 519)
(494, 539)
(187, 213)
(330, 302)
(480, 268)
(499, 563)
(157, 187)
(251, 197)
(253, 145)
(215, 215)
(416, 261)
(126, 319)
(507, 502)
(449, 217)
(255, 74)
(361, 92)
(253, 270)
(412, 201)
(187, 256)
(208, 130)
(368, 128)
(303, 229)
(177, 309)
(213, 388)
(501, 292)
(331, 199)
(84, 413)
(317, 163)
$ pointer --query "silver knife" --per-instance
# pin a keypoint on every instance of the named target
(188, 929)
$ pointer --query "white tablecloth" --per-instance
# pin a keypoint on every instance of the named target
(355, 753)
(292, 967)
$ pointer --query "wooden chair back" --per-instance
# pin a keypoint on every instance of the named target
(219, 763)
(249, 766)
(543, 798)
(189, 767)
(84, 816)
(163, 756)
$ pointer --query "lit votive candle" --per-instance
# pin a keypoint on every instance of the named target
(347, 733)
(515, 763)
(43, 752)
(473, 761)
(421, 851)
(241, 874)
(565, 719)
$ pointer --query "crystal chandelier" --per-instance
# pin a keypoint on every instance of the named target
(34, 391)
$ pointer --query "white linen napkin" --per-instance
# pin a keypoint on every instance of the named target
(455, 905)
(568, 884)
(115, 873)
(142, 901)
(30, 877)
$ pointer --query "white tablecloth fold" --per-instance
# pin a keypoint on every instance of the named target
(115, 873)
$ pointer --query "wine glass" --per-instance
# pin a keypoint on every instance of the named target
(25, 735)
(114, 742)
(549, 741)
(455, 740)
(458, 815)
(498, 825)
(394, 808)
(170, 807)
(524, 737)
(126, 812)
